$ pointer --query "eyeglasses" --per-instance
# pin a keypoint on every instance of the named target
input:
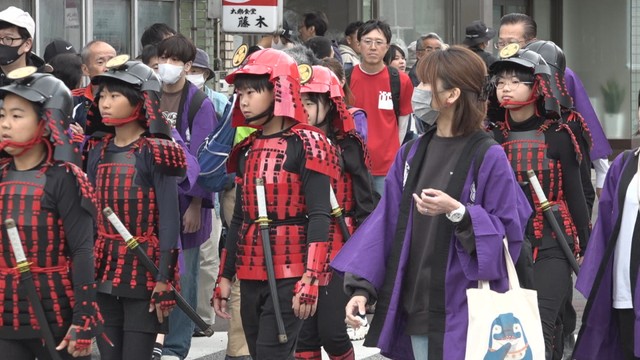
(513, 83)
(369, 42)
(500, 44)
(8, 40)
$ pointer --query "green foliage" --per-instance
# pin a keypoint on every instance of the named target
(613, 96)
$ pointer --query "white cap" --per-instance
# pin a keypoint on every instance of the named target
(19, 18)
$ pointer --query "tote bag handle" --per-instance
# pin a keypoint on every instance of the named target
(511, 271)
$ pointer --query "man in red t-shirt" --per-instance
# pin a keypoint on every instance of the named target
(371, 88)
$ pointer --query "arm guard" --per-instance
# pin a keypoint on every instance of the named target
(86, 316)
(216, 288)
(168, 264)
(318, 262)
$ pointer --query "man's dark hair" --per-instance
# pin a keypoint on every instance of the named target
(530, 26)
(320, 45)
(352, 28)
(375, 24)
(149, 52)
(177, 46)
(156, 33)
(68, 68)
(318, 20)
(258, 83)
(114, 85)
(24, 34)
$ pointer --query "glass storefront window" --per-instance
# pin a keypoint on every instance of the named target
(155, 11)
(22, 4)
(112, 23)
(598, 54)
(635, 71)
(70, 29)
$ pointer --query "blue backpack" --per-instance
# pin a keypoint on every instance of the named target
(214, 152)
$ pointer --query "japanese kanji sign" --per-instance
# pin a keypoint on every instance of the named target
(251, 16)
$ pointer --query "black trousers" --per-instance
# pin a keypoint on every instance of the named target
(30, 349)
(626, 319)
(259, 320)
(327, 328)
(130, 326)
(552, 278)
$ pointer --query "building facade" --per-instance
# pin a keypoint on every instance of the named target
(601, 39)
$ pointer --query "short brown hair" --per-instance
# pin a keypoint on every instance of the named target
(458, 67)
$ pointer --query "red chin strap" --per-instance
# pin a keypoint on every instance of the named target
(27, 145)
(136, 115)
(520, 104)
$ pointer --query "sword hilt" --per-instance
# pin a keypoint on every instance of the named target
(336, 210)
(131, 242)
(533, 179)
(16, 244)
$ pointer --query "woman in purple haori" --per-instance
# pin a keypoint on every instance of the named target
(609, 273)
(462, 188)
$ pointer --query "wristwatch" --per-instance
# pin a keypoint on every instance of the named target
(456, 215)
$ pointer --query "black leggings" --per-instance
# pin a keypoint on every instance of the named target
(327, 328)
(29, 349)
(552, 277)
(127, 345)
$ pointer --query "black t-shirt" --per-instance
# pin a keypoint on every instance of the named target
(440, 162)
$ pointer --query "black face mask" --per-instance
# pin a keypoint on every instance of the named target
(9, 54)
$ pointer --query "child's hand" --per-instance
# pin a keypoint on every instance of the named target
(76, 129)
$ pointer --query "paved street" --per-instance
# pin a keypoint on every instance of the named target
(213, 348)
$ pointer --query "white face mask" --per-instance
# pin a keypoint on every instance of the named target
(280, 45)
(196, 79)
(421, 104)
(169, 73)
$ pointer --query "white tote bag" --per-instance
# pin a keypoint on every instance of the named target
(504, 325)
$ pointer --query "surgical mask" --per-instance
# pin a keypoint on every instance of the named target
(8, 54)
(280, 45)
(169, 73)
(197, 80)
(421, 104)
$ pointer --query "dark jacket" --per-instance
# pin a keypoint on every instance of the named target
(32, 60)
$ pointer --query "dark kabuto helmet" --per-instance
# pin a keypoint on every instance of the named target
(57, 107)
(140, 77)
(511, 57)
(554, 56)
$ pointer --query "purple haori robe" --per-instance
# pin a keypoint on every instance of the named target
(600, 148)
(497, 208)
(598, 337)
(204, 122)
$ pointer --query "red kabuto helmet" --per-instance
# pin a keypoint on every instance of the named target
(57, 106)
(322, 81)
(283, 73)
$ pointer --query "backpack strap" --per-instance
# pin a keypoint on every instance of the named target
(194, 106)
(482, 148)
(394, 80)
